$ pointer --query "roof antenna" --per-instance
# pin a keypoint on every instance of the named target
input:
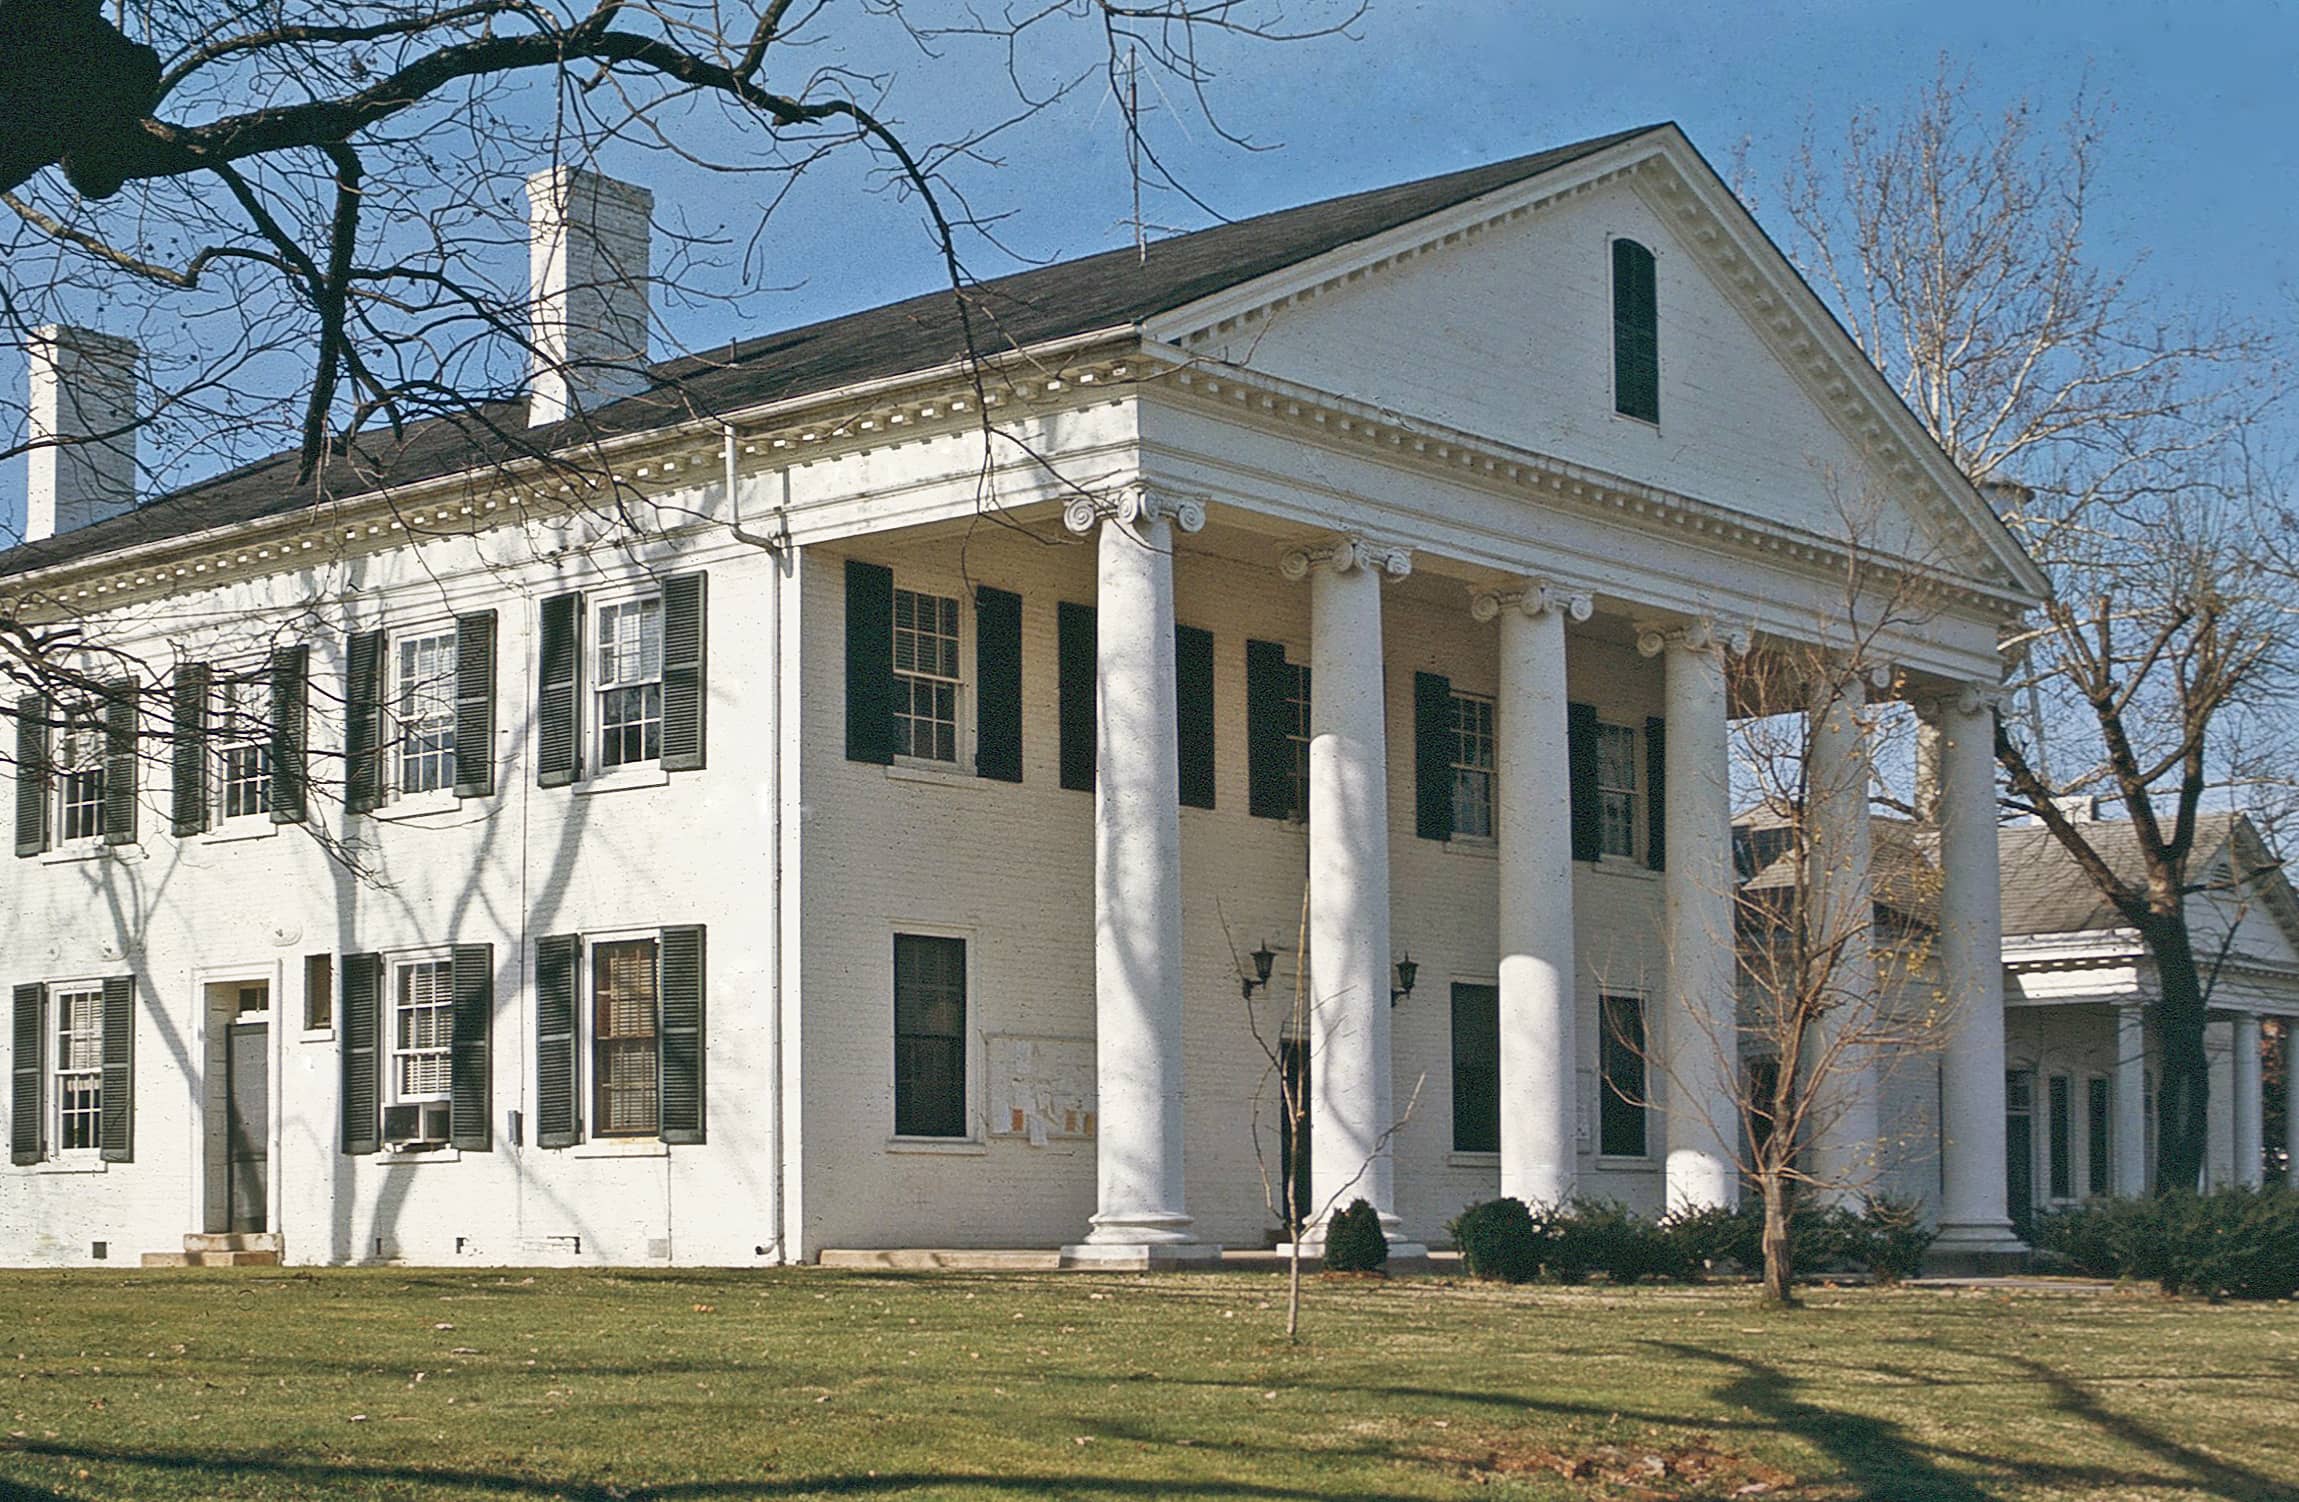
(1133, 147)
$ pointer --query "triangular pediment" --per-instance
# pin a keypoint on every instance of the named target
(1494, 318)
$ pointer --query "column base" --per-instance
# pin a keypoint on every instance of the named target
(1142, 1256)
(1988, 1248)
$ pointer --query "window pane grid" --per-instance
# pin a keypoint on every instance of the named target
(1616, 789)
(1621, 1118)
(929, 1036)
(625, 1063)
(243, 771)
(423, 700)
(422, 1032)
(1297, 701)
(630, 689)
(1472, 766)
(79, 1068)
(925, 676)
(80, 761)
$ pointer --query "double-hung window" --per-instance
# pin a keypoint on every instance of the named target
(1617, 789)
(1297, 734)
(73, 1084)
(1622, 1102)
(620, 682)
(619, 1037)
(629, 686)
(422, 1031)
(626, 1069)
(925, 676)
(1473, 766)
(80, 773)
(423, 711)
(240, 729)
(1476, 1068)
(77, 1013)
(929, 1036)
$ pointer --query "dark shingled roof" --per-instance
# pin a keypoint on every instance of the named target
(1113, 289)
(2046, 892)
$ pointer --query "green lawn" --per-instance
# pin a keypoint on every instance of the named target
(806, 1383)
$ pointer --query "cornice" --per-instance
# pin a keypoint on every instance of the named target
(641, 468)
(1434, 448)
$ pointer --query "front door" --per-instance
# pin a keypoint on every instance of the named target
(1293, 1133)
(247, 1124)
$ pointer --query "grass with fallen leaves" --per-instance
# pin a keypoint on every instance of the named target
(692, 1387)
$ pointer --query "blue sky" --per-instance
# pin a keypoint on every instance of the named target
(2197, 184)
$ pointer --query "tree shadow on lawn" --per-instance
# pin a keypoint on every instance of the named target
(2220, 1478)
(347, 1473)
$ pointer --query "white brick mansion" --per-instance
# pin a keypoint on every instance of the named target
(838, 859)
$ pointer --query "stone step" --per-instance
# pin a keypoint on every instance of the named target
(212, 1259)
(234, 1241)
(934, 1259)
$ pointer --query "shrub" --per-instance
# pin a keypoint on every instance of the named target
(1602, 1236)
(1500, 1240)
(1714, 1237)
(2231, 1243)
(1893, 1238)
(1354, 1242)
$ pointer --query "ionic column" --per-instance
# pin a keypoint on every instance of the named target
(2130, 1100)
(1842, 890)
(1140, 1218)
(2248, 1136)
(1532, 808)
(1974, 1223)
(1700, 1027)
(1352, 1110)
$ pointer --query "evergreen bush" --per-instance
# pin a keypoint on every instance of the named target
(1354, 1242)
(1500, 1240)
(2232, 1243)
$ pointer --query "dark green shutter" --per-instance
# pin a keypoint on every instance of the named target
(1435, 745)
(1075, 647)
(363, 723)
(120, 763)
(475, 705)
(869, 662)
(1193, 712)
(470, 1082)
(997, 684)
(189, 754)
(559, 667)
(686, 712)
(288, 738)
(1656, 792)
(680, 1036)
(361, 1097)
(116, 1121)
(31, 775)
(1636, 332)
(558, 964)
(25, 1115)
(1581, 763)
(1268, 746)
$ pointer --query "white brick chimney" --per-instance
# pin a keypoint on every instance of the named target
(83, 387)
(589, 238)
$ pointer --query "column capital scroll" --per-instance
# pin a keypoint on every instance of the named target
(1082, 513)
(1345, 553)
(1535, 598)
(1702, 635)
(1968, 698)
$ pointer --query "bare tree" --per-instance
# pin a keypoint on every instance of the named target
(309, 216)
(2117, 443)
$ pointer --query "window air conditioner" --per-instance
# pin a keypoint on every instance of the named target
(415, 1127)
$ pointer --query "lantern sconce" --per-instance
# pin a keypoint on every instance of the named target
(1407, 973)
(1264, 959)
